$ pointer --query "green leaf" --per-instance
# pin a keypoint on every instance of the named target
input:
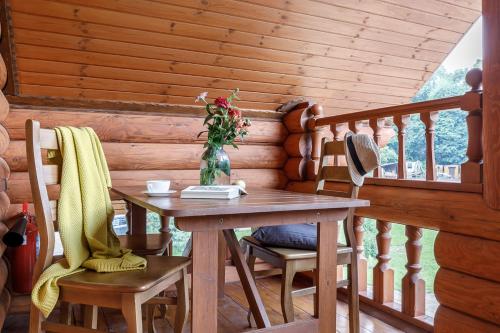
(199, 134)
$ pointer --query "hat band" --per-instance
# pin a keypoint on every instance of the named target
(354, 156)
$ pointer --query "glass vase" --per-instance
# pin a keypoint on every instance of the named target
(215, 167)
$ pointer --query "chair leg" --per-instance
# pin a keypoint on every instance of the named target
(352, 289)
(36, 319)
(286, 291)
(131, 310)
(182, 311)
(90, 316)
(66, 313)
(251, 265)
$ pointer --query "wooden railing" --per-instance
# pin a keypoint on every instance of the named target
(310, 127)
(471, 170)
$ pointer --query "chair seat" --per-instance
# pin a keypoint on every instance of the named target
(158, 268)
(142, 245)
(292, 254)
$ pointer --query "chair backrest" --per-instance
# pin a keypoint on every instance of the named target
(334, 173)
(330, 151)
(44, 175)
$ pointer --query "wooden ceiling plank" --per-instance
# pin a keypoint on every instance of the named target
(469, 4)
(101, 31)
(269, 59)
(175, 90)
(194, 11)
(447, 9)
(53, 67)
(158, 64)
(154, 52)
(392, 18)
(84, 58)
(271, 15)
(115, 18)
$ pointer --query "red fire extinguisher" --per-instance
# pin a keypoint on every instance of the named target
(22, 238)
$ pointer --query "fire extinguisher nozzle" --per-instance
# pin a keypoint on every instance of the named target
(15, 236)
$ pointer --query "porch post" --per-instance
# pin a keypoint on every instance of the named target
(491, 102)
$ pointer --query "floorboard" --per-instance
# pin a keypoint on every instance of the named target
(232, 313)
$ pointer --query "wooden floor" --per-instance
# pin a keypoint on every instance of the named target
(232, 313)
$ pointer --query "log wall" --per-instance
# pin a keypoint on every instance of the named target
(5, 297)
(150, 145)
(345, 55)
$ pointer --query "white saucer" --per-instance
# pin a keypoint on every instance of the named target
(166, 194)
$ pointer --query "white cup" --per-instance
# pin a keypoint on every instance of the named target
(158, 186)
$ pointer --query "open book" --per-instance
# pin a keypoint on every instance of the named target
(212, 192)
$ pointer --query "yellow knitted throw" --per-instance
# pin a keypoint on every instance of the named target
(84, 215)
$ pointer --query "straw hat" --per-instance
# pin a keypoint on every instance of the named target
(362, 156)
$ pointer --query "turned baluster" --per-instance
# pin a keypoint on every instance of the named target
(383, 275)
(401, 123)
(429, 119)
(412, 284)
(471, 170)
(338, 131)
(355, 126)
(165, 229)
(362, 262)
(377, 125)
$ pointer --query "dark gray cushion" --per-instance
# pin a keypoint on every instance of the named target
(295, 236)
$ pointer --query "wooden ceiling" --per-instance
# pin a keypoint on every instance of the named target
(349, 55)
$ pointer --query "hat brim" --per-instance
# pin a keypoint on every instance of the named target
(356, 177)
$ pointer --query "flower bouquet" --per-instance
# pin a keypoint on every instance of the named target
(224, 124)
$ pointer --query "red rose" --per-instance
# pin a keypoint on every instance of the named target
(234, 113)
(222, 103)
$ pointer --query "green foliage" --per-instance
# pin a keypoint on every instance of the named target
(398, 253)
(224, 125)
(451, 128)
(214, 162)
(388, 155)
(224, 122)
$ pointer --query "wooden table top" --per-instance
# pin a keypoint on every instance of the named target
(256, 201)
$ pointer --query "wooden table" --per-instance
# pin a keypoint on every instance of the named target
(205, 218)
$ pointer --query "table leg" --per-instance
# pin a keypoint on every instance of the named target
(136, 219)
(247, 281)
(327, 276)
(204, 281)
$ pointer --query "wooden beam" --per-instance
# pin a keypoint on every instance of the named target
(39, 103)
(491, 102)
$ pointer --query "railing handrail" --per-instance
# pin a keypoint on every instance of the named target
(405, 109)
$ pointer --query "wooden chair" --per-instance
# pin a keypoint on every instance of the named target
(126, 291)
(291, 261)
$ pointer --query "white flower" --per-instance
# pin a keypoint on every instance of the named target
(202, 97)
